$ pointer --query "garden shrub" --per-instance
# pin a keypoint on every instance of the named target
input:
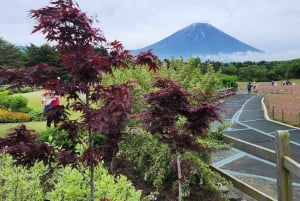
(12, 117)
(62, 141)
(71, 184)
(148, 156)
(18, 183)
(14, 103)
(230, 81)
(22, 90)
(37, 116)
(5, 101)
(204, 176)
(57, 138)
(18, 104)
(152, 159)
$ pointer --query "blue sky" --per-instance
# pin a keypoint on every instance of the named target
(269, 25)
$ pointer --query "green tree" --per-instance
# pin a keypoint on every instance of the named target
(211, 80)
(35, 55)
(10, 56)
(229, 69)
(280, 70)
(295, 68)
(252, 72)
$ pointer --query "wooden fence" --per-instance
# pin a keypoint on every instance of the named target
(224, 92)
(285, 167)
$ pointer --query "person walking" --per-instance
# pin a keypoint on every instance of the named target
(255, 88)
(249, 87)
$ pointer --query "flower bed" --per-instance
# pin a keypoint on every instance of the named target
(11, 117)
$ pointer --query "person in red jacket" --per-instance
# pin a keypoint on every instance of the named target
(53, 114)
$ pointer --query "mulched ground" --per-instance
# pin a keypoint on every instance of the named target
(124, 167)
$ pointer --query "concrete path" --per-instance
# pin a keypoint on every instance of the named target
(246, 113)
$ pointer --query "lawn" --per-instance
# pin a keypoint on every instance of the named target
(34, 125)
(34, 100)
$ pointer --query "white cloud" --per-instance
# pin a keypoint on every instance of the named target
(252, 56)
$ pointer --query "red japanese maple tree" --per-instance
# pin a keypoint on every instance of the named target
(166, 106)
(70, 29)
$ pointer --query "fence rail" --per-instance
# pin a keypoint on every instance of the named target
(285, 167)
(228, 91)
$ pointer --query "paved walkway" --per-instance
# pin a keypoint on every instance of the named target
(247, 114)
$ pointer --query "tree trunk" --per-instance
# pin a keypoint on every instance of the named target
(92, 168)
(178, 156)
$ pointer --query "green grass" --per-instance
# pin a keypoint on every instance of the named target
(37, 126)
(34, 100)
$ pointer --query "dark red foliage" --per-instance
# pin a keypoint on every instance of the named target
(92, 156)
(41, 75)
(76, 41)
(66, 24)
(166, 105)
(169, 102)
(199, 117)
(66, 157)
(104, 199)
(71, 127)
(186, 169)
(118, 57)
(21, 145)
(147, 58)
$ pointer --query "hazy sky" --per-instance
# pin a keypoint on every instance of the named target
(269, 25)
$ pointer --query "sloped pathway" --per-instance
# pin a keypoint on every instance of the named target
(246, 112)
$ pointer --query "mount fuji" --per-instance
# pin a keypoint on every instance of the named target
(197, 39)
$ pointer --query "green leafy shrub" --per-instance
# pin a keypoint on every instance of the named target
(5, 101)
(18, 103)
(57, 138)
(22, 90)
(152, 159)
(37, 116)
(14, 103)
(230, 81)
(11, 117)
(203, 175)
(71, 184)
(148, 157)
(18, 183)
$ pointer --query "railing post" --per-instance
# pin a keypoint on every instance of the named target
(284, 177)
(299, 119)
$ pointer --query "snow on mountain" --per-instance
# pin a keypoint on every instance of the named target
(197, 39)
